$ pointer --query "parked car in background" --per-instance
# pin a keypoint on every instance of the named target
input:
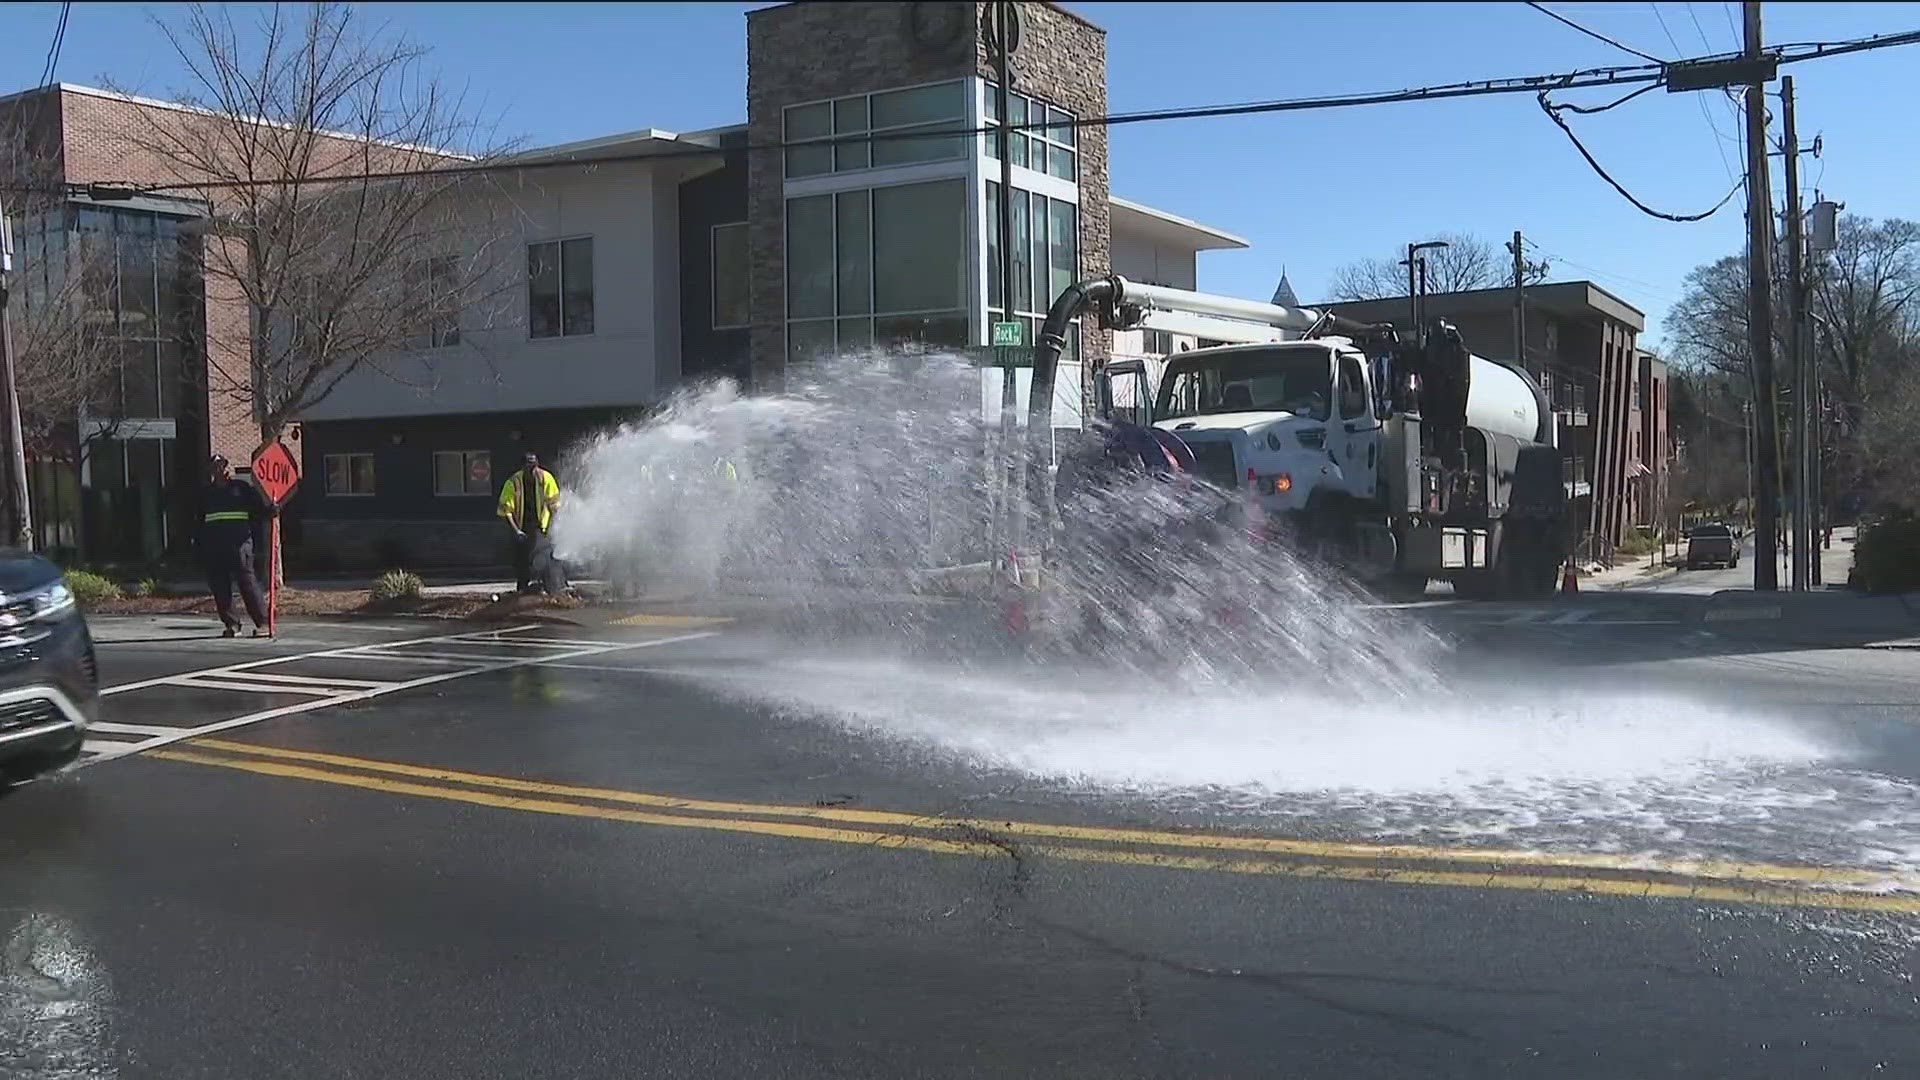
(1712, 545)
(49, 681)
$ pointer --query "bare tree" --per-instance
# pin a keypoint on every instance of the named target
(1466, 263)
(1866, 298)
(336, 221)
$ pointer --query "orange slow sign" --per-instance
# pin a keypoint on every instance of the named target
(275, 472)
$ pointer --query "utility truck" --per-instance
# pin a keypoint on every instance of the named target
(1401, 457)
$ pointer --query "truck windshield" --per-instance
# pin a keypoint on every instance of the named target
(1291, 379)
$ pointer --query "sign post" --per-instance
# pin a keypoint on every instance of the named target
(277, 475)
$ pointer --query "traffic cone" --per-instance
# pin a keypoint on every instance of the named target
(1569, 581)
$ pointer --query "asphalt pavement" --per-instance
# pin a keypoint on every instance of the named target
(1615, 835)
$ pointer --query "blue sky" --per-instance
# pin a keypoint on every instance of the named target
(1310, 190)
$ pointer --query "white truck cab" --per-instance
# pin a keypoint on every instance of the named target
(1284, 419)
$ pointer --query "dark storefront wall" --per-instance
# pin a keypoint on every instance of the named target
(714, 346)
(403, 522)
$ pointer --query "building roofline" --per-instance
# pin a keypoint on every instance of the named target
(620, 141)
(177, 106)
(1546, 295)
(1061, 8)
(1219, 240)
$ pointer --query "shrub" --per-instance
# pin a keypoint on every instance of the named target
(1886, 556)
(146, 587)
(1636, 543)
(91, 588)
(398, 585)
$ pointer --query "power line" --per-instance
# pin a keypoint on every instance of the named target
(1594, 34)
(53, 50)
(1620, 75)
(1553, 113)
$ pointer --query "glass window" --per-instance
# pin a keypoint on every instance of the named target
(937, 330)
(919, 247)
(1022, 252)
(850, 156)
(462, 472)
(349, 474)
(543, 290)
(432, 281)
(576, 286)
(1353, 389)
(853, 232)
(810, 160)
(1049, 146)
(908, 146)
(856, 334)
(560, 288)
(994, 299)
(808, 340)
(139, 374)
(729, 271)
(809, 121)
(849, 115)
(810, 262)
(1063, 247)
(919, 105)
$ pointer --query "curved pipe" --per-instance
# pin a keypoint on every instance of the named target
(1046, 360)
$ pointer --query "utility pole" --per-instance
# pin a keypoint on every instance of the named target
(1014, 511)
(1804, 556)
(1413, 297)
(1766, 560)
(21, 519)
(1519, 304)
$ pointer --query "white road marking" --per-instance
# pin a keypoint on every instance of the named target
(109, 728)
(480, 666)
(310, 680)
(457, 657)
(289, 658)
(206, 683)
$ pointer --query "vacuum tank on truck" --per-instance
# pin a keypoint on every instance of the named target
(1406, 457)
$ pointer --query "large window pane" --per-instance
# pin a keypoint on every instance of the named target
(137, 301)
(1018, 139)
(809, 121)
(543, 290)
(853, 230)
(1063, 247)
(942, 330)
(849, 115)
(907, 146)
(1059, 162)
(993, 246)
(449, 472)
(1041, 297)
(897, 108)
(576, 281)
(809, 340)
(919, 246)
(849, 156)
(730, 291)
(810, 256)
(856, 334)
(173, 375)
(138, 375)
(810, 160)
(1022, 253)
(1061, 130)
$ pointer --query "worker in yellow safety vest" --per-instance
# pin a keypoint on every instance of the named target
(527, 502)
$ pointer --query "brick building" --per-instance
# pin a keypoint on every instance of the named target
(1609, 395)
(115, 485)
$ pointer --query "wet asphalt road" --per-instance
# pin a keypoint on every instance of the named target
(463, 858)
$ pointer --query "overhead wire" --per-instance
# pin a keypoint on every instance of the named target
(52, 64)
(1594, 34)
(1652, 74)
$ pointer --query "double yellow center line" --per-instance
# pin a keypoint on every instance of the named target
(1235, 853)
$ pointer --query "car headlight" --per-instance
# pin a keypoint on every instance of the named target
(20, 611)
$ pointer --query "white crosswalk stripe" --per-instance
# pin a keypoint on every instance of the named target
(113, 739)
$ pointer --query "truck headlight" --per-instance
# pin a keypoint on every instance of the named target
(19, 611)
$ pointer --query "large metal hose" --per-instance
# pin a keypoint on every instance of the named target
(1046, 360)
